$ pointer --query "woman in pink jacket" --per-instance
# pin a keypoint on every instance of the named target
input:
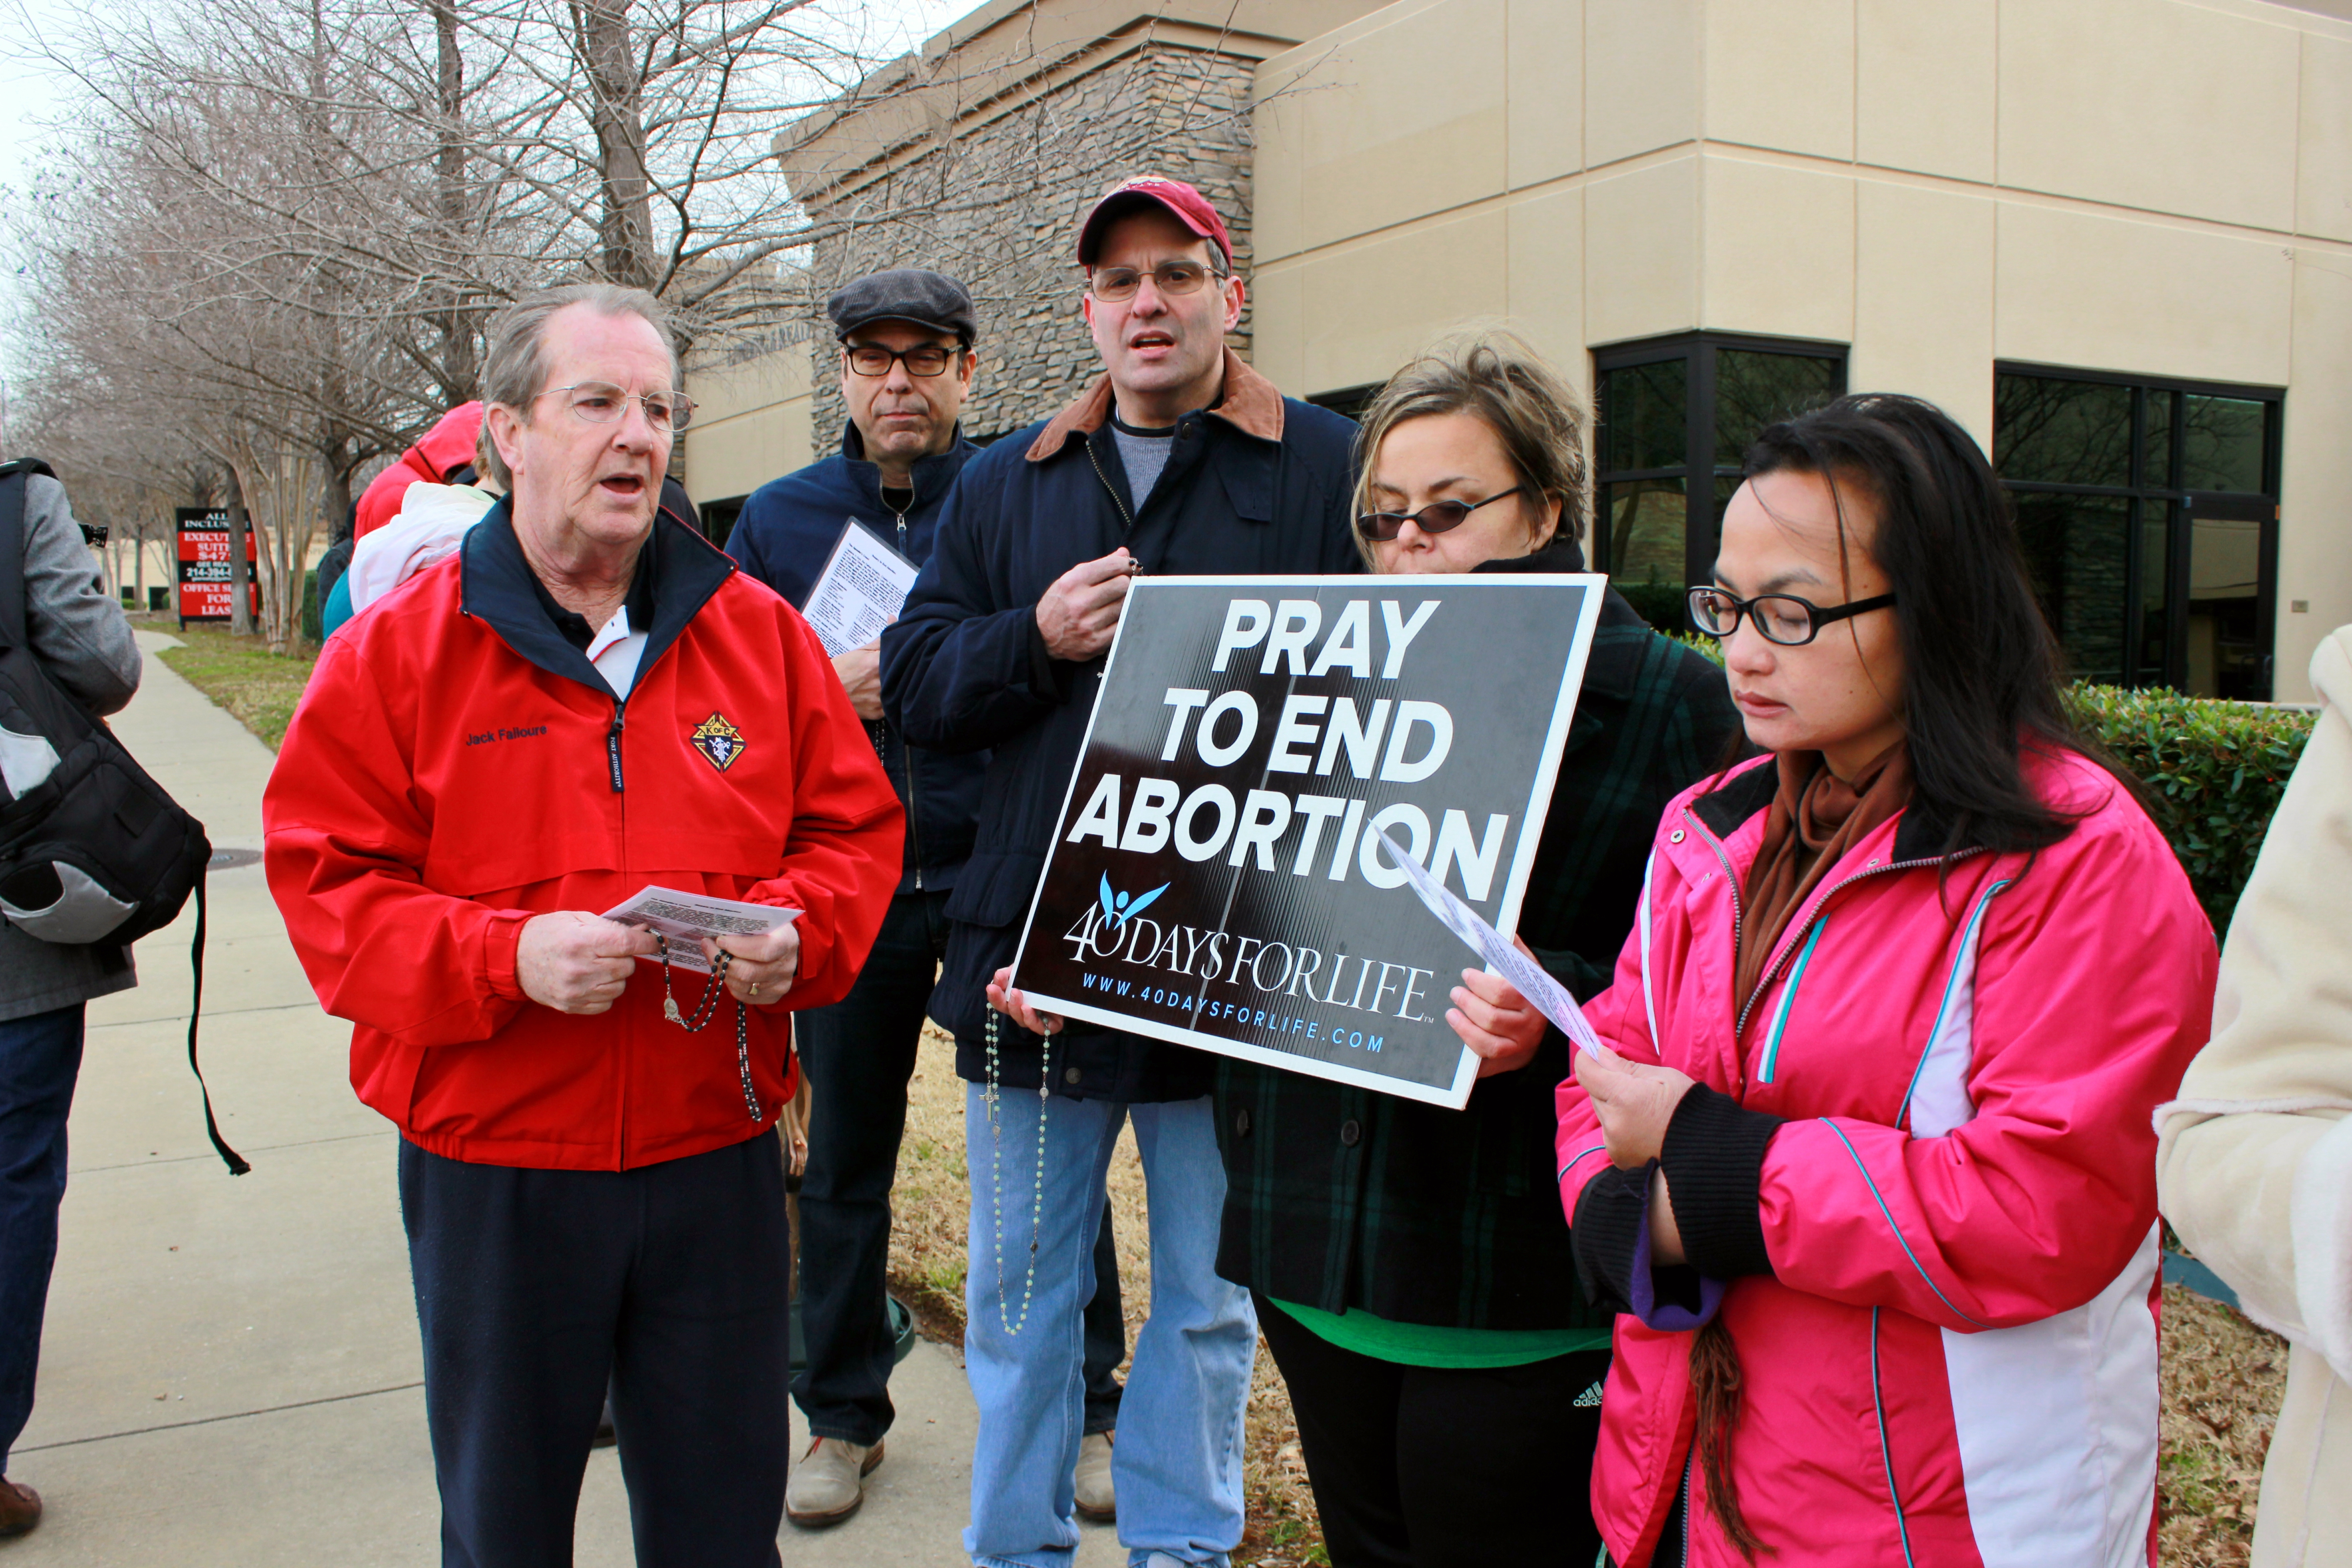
(1866, 1161)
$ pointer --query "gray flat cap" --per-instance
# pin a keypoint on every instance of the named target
(904, 294)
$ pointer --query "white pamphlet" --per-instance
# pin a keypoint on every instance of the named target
(860, 592)
(687, 917)
(1529, 977)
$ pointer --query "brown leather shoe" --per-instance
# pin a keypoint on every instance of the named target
(20, 1507)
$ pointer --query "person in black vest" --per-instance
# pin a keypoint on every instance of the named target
(1179, 459)
(907, 368)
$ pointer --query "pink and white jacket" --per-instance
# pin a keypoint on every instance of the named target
(1923, 1196)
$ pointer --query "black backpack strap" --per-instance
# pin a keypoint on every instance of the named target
(235, 1162)
(14, 483)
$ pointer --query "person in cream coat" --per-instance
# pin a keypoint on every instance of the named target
(2255, 1166)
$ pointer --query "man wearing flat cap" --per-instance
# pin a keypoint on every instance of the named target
(907, 338)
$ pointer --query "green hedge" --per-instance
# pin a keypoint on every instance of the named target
(2216, 768)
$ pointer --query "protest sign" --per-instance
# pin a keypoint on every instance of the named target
(1218, 876)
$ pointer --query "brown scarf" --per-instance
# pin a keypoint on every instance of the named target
(1814, 819)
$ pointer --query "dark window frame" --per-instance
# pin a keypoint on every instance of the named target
(2181, 506)
(1702, 514)
(1349, 401)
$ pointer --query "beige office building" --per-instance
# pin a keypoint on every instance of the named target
(2114, 237)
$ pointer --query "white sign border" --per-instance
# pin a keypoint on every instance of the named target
(1465, 1073)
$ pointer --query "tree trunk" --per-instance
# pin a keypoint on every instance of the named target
(240, 577)
(460, 368)
(616, 110)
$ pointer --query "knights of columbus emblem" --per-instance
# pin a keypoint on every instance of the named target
(720, 742)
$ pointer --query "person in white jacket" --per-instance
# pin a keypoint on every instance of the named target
(2255, 1166)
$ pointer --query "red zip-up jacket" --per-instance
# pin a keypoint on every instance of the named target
(457, 767)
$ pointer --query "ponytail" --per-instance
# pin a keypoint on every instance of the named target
(1715, 1375)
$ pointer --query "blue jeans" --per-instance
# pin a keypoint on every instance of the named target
(1177, 1467)
(40, 1056)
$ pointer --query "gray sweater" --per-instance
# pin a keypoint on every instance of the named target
(80, 634)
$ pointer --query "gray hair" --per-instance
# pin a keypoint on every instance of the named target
(1497, 378)
(515, 370)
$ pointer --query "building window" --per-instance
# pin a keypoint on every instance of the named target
(2149, 514)
(1674, 418)
(1348, 401)
(718, 518)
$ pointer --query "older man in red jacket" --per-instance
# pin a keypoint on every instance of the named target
(586, 701)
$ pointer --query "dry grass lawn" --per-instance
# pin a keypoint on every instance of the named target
(240, 673)
(2224, 1378)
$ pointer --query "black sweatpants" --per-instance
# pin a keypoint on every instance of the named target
(536, 1287)
(1418, 1467)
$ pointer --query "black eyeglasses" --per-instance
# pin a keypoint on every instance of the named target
(874, 359)
(1112, 284)
(1782, 618)
(1437, 518)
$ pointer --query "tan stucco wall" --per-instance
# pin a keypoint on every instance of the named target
(751, 424)
(2152, 186)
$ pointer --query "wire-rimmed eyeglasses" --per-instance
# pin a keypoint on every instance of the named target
(1112, 285)
(602, 402)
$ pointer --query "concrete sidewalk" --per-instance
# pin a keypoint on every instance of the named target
(230, 1373)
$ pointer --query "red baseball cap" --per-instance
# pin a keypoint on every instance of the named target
(1191, 208)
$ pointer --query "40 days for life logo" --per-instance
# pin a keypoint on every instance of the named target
(1218, 876)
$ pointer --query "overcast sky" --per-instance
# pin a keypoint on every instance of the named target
(30, 95)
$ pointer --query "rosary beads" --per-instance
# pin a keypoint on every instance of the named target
(704, 1007)
(990, 1088)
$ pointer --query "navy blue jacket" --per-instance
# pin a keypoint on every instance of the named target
(1258, 486)
(786, 530)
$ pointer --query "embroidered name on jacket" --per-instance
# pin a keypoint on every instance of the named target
(719, 742)
(486, 736)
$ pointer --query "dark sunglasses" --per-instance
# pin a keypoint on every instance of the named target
(1437, 518)
(1782, 618)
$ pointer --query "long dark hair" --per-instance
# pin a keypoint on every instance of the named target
(1981, 671)
(1981, 688)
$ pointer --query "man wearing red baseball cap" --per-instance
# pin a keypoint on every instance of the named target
(1179, 459)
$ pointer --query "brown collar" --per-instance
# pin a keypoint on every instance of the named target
(1251, 404)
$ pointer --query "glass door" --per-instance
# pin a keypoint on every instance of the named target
(2231, 588)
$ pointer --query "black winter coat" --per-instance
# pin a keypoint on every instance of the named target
(1257, 486)
(786, 531)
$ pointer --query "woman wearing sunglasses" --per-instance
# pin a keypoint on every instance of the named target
(1865, 1158)
(1411, 1263)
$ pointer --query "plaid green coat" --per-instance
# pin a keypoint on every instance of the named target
(1339, 1196)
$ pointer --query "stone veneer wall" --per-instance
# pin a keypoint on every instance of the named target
(1009, 194)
